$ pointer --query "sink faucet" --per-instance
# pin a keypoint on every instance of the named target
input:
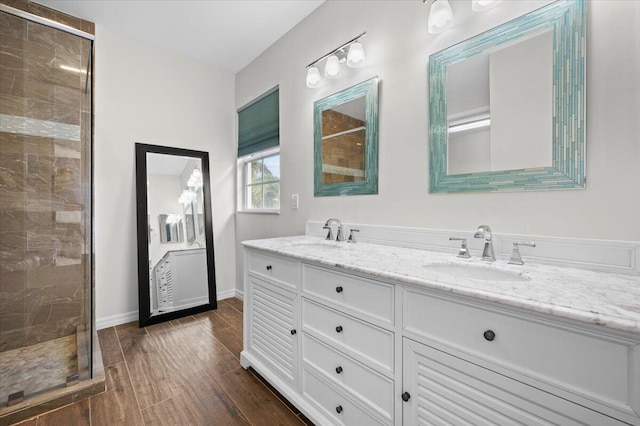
(327, 225)
(484, 231)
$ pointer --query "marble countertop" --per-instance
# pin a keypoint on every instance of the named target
(606, 299)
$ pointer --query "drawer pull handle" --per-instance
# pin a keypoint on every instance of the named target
(489, 335)
(269, 267)
(338, 369)
(339, 329)
(339, 289)
(406, 396)
(293, 332)
(339, 409)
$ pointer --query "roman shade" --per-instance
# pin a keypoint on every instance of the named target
(258, 124)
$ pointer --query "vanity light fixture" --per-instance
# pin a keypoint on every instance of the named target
(351, 52)
(440, 16)
(481, 5)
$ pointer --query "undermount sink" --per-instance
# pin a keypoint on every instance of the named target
(474, 272)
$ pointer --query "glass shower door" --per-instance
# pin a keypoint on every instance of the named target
(45, 209)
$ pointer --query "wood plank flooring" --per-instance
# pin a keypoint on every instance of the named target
(182, 372)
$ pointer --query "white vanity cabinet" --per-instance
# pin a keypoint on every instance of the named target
(271, 318)
(348, 346)
(352, 349)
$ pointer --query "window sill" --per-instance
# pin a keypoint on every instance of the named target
(258, 211)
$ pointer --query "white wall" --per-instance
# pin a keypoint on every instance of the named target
(398, 47)
(145, 94)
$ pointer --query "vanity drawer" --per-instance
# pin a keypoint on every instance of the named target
(580, 361)
(368, 343)
(371, 300)
(335, 405)
(283, 271)
(367, 385)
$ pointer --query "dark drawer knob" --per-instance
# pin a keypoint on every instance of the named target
(406, 396)
(268, 267)
(339, 289)
(339, 409)
(293, 332)
(338, 369)
(489, 335)
(339, 329)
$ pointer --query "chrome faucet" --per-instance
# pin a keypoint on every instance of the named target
(327, 225)
(484, 231)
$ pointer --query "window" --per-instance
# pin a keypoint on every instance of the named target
(259, 153)
(261, 181)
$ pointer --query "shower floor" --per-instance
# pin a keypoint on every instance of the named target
(37, 368)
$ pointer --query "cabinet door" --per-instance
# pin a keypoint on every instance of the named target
(441, 389)
(272, 331)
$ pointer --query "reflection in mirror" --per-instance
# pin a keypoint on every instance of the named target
(171, 228)
(176, 274)
(343, 142)
(507, 107)
(346, 141)
(492, 97)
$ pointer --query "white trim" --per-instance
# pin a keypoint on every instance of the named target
(113, 320)
(118, 319)
(596, 255)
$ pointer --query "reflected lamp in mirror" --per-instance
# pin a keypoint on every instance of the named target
(171, 228)
(346, 141)
(176, 272)
(507, 107)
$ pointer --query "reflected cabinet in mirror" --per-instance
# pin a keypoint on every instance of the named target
(176, 274)
(346, 141)
(507, 107)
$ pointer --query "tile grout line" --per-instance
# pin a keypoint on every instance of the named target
(126, 365)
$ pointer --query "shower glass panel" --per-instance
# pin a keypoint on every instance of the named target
(45, 209)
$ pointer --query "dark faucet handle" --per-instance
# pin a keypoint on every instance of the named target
(352, 238)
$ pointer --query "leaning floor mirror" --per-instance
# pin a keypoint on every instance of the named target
(176, 273)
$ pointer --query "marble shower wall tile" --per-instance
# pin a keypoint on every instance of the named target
(45, 135)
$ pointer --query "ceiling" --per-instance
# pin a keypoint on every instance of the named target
(227, 34)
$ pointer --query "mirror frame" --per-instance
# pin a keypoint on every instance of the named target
(144, 304)
(567, 18)
(368, 89)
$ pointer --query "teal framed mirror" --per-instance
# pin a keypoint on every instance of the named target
(507, 107)
(345, 129)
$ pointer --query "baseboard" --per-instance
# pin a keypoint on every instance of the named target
(118, 319)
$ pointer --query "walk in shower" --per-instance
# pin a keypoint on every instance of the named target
(45, 206)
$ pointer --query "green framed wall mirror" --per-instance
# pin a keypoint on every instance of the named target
(507, 107)
(345, 128)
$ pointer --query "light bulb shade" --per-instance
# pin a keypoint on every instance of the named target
(440, 16)
(313, 77)
(332, 67)
(355, 57)
(480, 5)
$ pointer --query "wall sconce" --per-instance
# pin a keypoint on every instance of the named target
(351, 52)
(481, 5)
(440, 16)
